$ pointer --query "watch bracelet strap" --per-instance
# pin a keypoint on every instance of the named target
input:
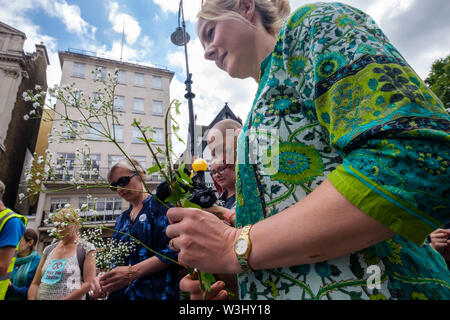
(244, 265)
(243, 261)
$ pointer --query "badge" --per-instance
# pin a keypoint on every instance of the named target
(143, 217)
(54, 271)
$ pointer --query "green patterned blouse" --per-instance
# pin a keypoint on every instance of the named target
(336, 100)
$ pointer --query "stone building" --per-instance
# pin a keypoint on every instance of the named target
(142, 93)
(19, 72)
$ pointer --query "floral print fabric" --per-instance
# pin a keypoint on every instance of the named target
(336, 100)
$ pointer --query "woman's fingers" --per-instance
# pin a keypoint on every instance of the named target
(176, 215)
(217, 292)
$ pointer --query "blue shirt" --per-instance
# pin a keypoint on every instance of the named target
(12, 232)
(149, 228)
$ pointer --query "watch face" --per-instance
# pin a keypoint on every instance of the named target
(241, 246)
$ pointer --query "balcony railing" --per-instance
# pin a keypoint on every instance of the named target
(88, 175)
(93, 217)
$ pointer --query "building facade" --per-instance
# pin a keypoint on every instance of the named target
(142, 93)
(19, 72)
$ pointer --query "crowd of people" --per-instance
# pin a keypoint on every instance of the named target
(360, 149)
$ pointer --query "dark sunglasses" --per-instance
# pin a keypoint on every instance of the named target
(121, 182)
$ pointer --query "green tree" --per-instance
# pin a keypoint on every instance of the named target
(439, 80)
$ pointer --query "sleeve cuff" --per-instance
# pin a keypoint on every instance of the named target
(381, 205)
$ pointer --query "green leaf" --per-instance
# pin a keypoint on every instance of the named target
(187, 204)
(208, 280)
(177, 107)
(149, 140)
(183, 174)
(182, 181)
(153, 169)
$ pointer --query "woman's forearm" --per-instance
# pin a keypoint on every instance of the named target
(148, 266)
(32, 291)
(78, 294)
(314, 230)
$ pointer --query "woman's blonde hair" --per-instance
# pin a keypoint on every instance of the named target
(126, 164)
(68, 215)
(273, 12)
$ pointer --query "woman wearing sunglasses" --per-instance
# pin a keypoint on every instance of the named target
(146, 276)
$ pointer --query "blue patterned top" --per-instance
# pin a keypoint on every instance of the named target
(337, 101)
(149, 228)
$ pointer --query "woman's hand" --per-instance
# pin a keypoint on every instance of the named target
(440, 242)
(203, 241)
(96, 291)
(192, 286)
(115, 279)
(223, 214)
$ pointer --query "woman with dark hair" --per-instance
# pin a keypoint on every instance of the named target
(25, 267)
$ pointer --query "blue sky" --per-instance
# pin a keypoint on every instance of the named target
(419, 29)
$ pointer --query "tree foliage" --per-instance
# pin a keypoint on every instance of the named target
(439, 80)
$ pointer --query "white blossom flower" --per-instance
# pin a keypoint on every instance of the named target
(21, 196)
(26, 117)
(37, 87)
(25, 96)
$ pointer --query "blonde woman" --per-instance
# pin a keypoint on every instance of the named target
(355, 173)
(67, 266)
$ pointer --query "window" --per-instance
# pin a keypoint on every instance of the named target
(57, 203)
(100, 73)
(119, 103)
(122, 77)
(142, 160)
(112, 160)
(158, 136)
(157, 108)
(138, 105)
(118, 132)
(94, 131)
(139, 79)
(156, 82)
(91, 167)
(108, 208)
(64, 166)
(97, 99)
(78, 70)
(136, 135)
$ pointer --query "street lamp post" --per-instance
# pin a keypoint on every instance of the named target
(180, 38)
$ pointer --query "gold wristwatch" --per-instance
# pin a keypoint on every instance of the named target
(242, 248)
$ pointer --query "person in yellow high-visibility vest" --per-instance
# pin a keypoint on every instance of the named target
(12, 228)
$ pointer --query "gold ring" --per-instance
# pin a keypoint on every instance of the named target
(172, 246)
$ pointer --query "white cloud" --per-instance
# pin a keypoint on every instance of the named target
(13, 14)
(190, 8)
(385, 10)
(70, 15)
(123, 22)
